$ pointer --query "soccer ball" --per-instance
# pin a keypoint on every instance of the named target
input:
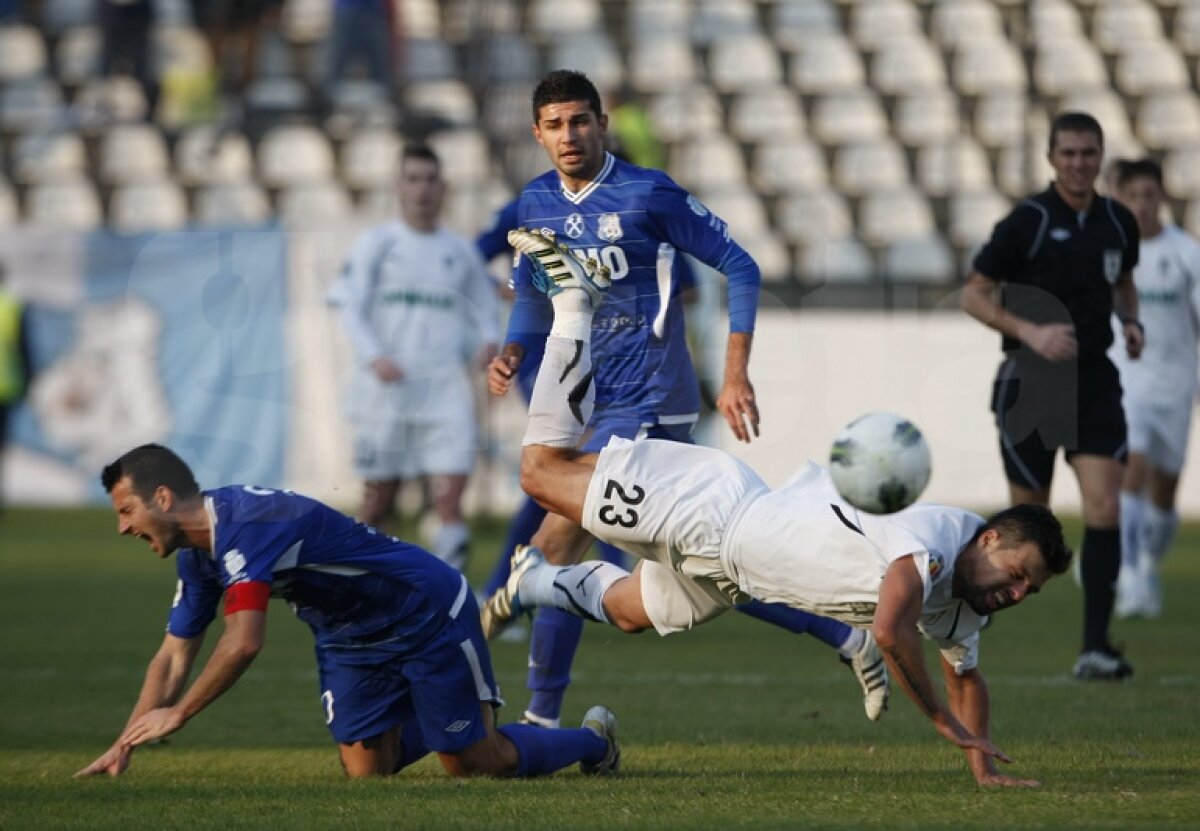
(880, 463)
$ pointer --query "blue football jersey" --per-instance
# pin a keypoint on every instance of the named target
(353, 585)
(635, 221)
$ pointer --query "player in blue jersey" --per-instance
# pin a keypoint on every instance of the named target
(636, 222)
(403, 666)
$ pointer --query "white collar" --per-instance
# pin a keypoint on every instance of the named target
(576, 198)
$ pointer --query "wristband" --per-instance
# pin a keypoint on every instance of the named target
(1133, 321)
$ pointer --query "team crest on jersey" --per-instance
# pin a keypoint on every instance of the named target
(573, 227)
(1112, 264)
(609, 227)
(935, 565)
(697, 206)
(235, 564)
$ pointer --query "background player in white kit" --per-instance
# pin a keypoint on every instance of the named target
(419, 308)
(1159, 388)
(712, 535)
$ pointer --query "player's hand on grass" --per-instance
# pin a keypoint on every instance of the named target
(152, 725)
(1052, 341)
(740, 408)
(114, 762)
(386, 371)
(999, 780)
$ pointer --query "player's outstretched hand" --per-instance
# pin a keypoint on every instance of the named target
(152, 725)
(114, 762)
(999, 780)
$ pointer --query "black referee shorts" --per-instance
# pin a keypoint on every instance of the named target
(1041, 407)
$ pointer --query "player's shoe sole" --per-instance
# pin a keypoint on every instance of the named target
(870, 669)
(505, 604)
(601, 721)
(559, 267)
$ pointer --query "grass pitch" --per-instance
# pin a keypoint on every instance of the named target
(735, 725)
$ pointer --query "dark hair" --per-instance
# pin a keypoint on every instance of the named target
(420, 150)
(563, 85)
(1141, 169)
(1075, 122)
(1036, 524)
(148, 467)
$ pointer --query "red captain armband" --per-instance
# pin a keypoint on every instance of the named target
(249, 595)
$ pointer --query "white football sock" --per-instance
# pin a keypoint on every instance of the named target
(563, 395)
(577, 589)
(1132, 512)
(853, 642)
(1158, 531)
(573, 314)
(451, 542)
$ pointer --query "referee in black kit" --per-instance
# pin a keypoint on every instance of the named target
(1049, 280)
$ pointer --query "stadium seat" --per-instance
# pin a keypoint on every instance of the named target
(148, 206)
(873, 164)
(1054, 21)
(1063, 66)
(31, 104)
(306, 21)
(875, 24)
(959, 163)
(508, 58)
(924, 117)
(788, 165)
(359, 103)
(713, 20)
(766, 113)
(207, 154)
(8, 205)
(771, 254)
(685, 112)
(450, 101)
(59, 16)
(989, 67)
(1108, 109)
(272, 101)
(743, 62)
(506, 112)
(710, 162)
(428, 59)
(954, 23)
(923, 259)
(886, 216)
(381, 204)
(1118, 25)
(1000, 119)
(666, 19)
(813, 216)
(848, 116)
(836, 260)
(1186, 31)
(740, 208)
(77, 55)
(132, 153)
(1023, 168)
(524, 160)
(422, 19)
(828, 65)
(796, 23)
(593, 54)
(22, 53)
(1167, 120)
(465, 154)
(313, 205)
(907, 65)
(973, 214)
(661, 64)
(292, 155)
(1181, 173)
(105, 101)
(1150, 67)
(550, 19)
(70, 205)
(469, 209)
(371, 158)
(48, 157)
(180, 49)
(230, 204)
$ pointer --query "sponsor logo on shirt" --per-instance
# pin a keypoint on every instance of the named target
(1060, 234)
(697, 206)
(458, 726)
(936, 564)
(610, 227)
(573, 227)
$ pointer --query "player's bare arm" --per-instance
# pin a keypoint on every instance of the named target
(165, 678)
(1052, 341)
(737, 401)
(1125, 306)
(969, 702)
(895, 629)
(245, 633)
(503, 368)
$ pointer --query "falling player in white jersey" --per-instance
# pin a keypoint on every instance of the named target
(419, 307)
(1159, 389)
(712, 535)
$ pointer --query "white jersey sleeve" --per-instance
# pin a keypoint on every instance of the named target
(483, 301)
(356, 295)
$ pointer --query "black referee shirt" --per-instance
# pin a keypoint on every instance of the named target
(1059, 265)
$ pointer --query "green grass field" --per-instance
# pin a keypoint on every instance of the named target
(736, 725)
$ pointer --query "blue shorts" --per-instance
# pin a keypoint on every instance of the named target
(366, 692)
(632, 427)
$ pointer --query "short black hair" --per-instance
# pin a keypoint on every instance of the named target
(1036, 524)
(1075, 122)
(420, 150)
(1146, 168)
(563, 85)
(148, 467)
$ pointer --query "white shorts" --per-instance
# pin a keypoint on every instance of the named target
(391, 448)
(1160, 433)
(670, 503)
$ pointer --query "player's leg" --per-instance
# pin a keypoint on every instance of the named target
(453, 536)
(1159, 526)
(521, 528)
(1132, 509)
(379, 501)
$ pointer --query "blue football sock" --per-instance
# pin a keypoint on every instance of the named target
(521, 529)
(826, 630)
(552, 646)
(612, 554)
(412, 745)
(541, 751)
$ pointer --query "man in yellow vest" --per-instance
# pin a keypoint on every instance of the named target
(14, 357)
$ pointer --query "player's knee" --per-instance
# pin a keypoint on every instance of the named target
(533, 474)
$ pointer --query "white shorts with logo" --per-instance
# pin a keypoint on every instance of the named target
(1159, 432)
(670, 503)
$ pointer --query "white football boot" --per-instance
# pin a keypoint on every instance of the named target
(601, 721)
(871, 671)
(557, 268)
(505, 604)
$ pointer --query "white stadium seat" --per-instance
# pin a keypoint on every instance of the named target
(740, 208)
(48, 157)
(989, 67)
(22, 53)
(923, 259)
(294, 154)
(790, 165)
(1054, 20)
(103, 101)
(771, 254)
(550, 19)
(874, 164)
(1000, 119)
(71, 205)
(1107, 108)
(205, 155)
(848, 116)
(1063, 66)
(959, 163)
(743, 62)
(668, 19)
(8, 205)
(767, 113)
(465, 155)
(148, 206)
(813, 216)
(684, 112)
(889, 215)
(31, 104)
(314, 205)
(926, 116)
(827, 65)
(876, 23)
(973, 214)
(1181, 173)
(231, 204)
(131, 153)
(1117, 25)
(711, 162)
(957, 22)
(594, 54)
(510, 58)
(836, 260)
(713, 20)
(77, 54)
(449, 100)
(660, 65)
(1167, 120)
(1186, 31)
(1150, 67)
(795, 23)
(908, 65)
(371, 159)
